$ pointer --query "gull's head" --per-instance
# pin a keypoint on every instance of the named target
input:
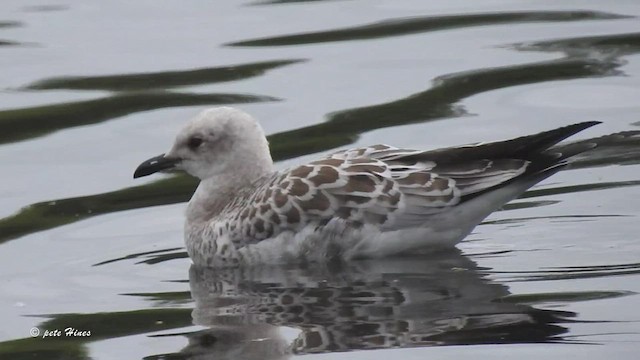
(221, 140)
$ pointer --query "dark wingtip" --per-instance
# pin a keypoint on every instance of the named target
(569, 130)
(585, 125)
(545, 140)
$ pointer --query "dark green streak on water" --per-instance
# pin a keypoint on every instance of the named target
(138, 255)
(10, 24)
(50, 214)
(9, 43)
(166, 298)
(406, 26)
(156, 259)
(342, 128)
(26, 123)
(162, 80)
(527, 204)
(151, 257)
(102, 326)
(618, 44)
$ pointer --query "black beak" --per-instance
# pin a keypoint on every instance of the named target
(154, 165)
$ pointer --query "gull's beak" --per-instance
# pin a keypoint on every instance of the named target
(155, 164)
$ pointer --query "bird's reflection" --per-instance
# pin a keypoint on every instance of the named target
(421, 301)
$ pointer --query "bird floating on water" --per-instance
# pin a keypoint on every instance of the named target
(372, 201)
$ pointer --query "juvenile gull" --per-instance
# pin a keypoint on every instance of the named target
(366, 202)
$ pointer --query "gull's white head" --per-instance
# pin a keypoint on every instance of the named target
(221, 140)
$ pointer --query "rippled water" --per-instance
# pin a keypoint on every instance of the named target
(89, 89)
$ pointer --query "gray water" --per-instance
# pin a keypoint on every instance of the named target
(89, 89)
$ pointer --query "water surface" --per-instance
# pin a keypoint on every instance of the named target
(90, 89)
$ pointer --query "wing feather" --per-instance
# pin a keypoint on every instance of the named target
(369, 185)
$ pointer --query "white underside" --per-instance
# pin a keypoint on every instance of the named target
(338, 241)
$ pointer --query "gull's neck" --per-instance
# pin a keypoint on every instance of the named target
(216, 191)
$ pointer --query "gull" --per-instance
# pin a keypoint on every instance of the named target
(366, 202)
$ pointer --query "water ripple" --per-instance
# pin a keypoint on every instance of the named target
(163, 79)
(570, 273)
(414, 25)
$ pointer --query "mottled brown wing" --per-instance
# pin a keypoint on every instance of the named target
(364, 190)
(357, 190)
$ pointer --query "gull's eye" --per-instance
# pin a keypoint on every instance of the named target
(194, 142)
